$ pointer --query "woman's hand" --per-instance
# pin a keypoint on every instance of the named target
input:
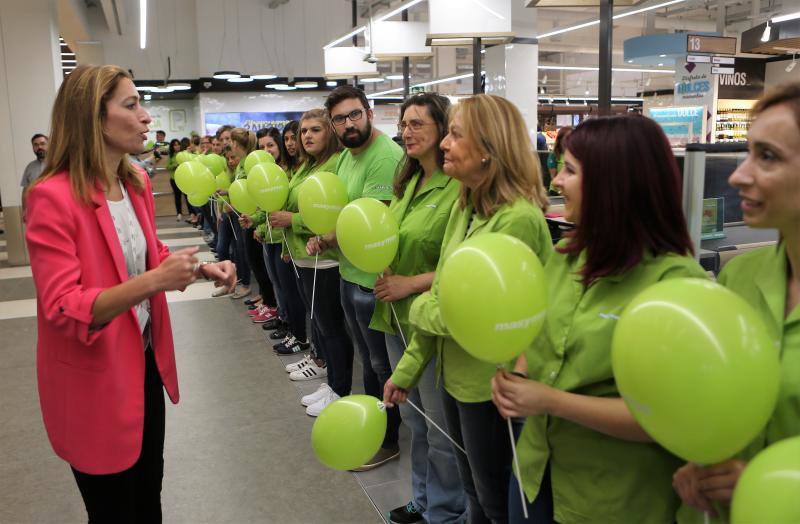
(177, 270)
(222, 273)
(393, 394)
(222, 192)
(286, 258)
(521, 397)
(257, 236)
(245, 221)
(717, 482)
(315, 246)
(280, 219)
(686, 482)
(391, 288)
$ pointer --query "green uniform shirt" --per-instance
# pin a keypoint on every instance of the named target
(172, 165)
(297, 236)
(465, 377)
(368, 174)
(760, 277)
(595, 477)
(422, 217)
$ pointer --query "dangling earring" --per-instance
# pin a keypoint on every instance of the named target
(484, 162)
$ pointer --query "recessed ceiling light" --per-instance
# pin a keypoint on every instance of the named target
(180, 86)
(394, 77)
(264, 76)
(162, 90)
(331, 83)
(145, 88)
(660, 65)
(225, 75)
(630, 61)
(285, 88)
(372, 80)
(661, 56)
(276, 86)
(148, 97)
(306, 85)
(240, 79)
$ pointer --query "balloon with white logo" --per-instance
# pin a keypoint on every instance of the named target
(368, 234)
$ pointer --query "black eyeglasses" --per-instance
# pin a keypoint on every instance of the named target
(353, 116)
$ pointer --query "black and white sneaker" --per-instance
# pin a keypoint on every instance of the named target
(292, 346)
(309, 372)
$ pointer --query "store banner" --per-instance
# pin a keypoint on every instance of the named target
(747, 81)
(682, 125)
(696, 86)
(251, 121)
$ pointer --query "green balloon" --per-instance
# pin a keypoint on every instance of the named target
(194, 177)
(268, 185)
(259, 156)
(240, 198)
(696, 367)
(215, 163)
(349, 432)
(320, 199)
(367, 234)
(182, 156)
(769, 488)
(504, 276)
(197, 199)
(223, 181)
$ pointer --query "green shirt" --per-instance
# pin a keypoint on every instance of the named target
(297, 236)
(172, 165)
(465, 377)
(761, 278)
(368, 174)
(422, 216)
(595, 477)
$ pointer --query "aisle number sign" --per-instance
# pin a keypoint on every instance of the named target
(724, 45)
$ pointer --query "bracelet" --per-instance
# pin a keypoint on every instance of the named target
(199, 269)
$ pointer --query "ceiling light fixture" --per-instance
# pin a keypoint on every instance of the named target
(148, 97)
(180, 86)
(240, 79)
(786, 18)
(331, 83)
(225, 75)
(145, 88)
(767, 33)
(285, 88)
(372, 80)
(615, 69)
(276, 86)
(616, 17)
(162, 90)
(142, 24)
(381, 18)
(306, 85)
(394, 77)
(263, 76)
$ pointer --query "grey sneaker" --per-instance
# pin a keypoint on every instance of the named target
(383, 456)
(241, 293)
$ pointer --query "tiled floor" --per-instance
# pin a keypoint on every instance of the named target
(237, 446)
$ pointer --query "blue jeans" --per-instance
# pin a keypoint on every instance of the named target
(271, 251)
(291, 295)
(358, 305)
(332, 343)
(435, 482)
(540, 511)
(225, 239)
(485, 470)
(240, 258)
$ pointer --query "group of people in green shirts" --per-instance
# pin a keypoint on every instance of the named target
(468, 170)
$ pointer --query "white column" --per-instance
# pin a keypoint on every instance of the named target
(29, 77)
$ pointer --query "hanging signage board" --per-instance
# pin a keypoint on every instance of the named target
(723, 70)
(723, 45)
(743, 82)
(698, 59)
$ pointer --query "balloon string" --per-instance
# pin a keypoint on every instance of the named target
(437, 427)
(516, 467)
(314, 285)
(434, 424)
(269, 229)
(233, 229)
(294, 266)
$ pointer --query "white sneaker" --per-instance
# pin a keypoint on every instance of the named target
(316, 408)
(300, 364)
(221, 292)
(314, 397)
(309, 372)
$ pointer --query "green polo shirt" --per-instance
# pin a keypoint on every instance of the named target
(595, 477)
(761, 278)
(466, 378)
(297, 236)
(368, 174)
(422, 215)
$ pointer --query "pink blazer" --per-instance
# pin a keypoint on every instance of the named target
(91, 382)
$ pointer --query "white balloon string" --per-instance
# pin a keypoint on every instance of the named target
(294, 266)
(314, 285)
(436, 426)
(233, 229)
(399, 327)
(516, 467)
(269, 229)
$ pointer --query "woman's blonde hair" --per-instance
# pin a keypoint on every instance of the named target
(246, 139)
(77, 144)
(331, 148)
(497, 129)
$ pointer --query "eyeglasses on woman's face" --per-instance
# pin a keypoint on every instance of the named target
(414, 125)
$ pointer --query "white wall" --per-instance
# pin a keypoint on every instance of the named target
(160, 113)
(257, 101)
(777, 75)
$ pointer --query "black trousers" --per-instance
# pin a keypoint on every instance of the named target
(134, 495)
(486, 469)
(255, 259)
(177, 195)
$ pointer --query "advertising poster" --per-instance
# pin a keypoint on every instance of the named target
(251, 121)
(682, 125)
(695, 86)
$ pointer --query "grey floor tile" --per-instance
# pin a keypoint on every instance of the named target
(389, 495)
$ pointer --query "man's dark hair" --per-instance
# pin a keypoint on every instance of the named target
(161, 132)
(343, 93)
(261, 133)
(38, 135)
(196, 140)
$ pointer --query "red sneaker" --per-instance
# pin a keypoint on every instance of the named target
(266, 316)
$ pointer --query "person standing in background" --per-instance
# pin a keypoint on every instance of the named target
(34, 169)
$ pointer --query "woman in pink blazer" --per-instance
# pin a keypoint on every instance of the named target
(105, 345)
